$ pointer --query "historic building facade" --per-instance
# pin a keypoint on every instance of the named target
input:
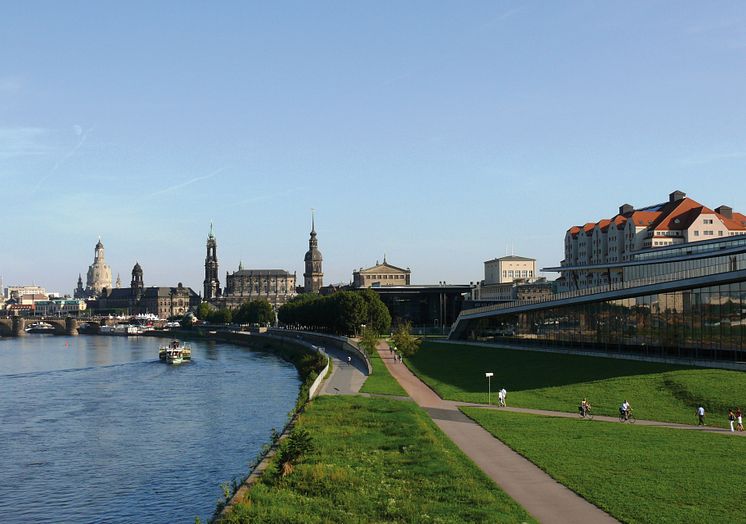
(99, 273)
(162, 301)
(381, 275)
(211, 284)
(313, 277)
(276, 286)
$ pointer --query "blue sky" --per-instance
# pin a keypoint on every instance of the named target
(438, 133)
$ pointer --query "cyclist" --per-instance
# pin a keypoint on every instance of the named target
(624, 410)
(585, 407)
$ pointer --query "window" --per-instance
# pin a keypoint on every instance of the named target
(510, 273)
(707, 221)
(696, 233)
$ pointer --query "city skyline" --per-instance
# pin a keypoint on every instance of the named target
(441, 135)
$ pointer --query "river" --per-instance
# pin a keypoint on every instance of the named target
(97, 429)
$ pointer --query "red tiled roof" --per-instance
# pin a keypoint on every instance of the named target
(679, 215)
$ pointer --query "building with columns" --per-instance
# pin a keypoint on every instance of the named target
(381, 275)
(313, 277)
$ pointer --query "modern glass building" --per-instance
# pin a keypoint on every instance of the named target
(686, 301)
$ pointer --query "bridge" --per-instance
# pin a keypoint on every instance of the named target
(16, 326)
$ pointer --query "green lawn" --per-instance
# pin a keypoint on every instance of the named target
(635, 473)
(377, 460)
(559, 382)
(380, 381)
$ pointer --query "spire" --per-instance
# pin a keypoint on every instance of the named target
(313, 222)
(210, 236)
(240, 265)
(384, 258)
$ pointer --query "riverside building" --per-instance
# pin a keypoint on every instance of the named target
(685, 299)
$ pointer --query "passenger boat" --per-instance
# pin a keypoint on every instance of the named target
(184, 351)
(174, 356)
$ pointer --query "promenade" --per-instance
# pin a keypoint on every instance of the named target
(543, 497)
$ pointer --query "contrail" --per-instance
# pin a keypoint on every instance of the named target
(188, 182)
(64, 159)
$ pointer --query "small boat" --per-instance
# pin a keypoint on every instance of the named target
(185, 352)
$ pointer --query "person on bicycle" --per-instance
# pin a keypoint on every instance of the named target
(585, 407)
(624, 410)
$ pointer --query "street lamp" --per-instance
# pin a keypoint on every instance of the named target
(489, 387)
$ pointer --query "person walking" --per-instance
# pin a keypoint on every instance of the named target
(701, 416)
(731, 419)
(502, 397)
(739, 420)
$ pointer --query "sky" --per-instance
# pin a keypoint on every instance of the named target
(439, 134)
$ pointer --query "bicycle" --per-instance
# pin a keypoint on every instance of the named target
(629, 418)
(588, 415)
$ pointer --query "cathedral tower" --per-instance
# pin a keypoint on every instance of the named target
(313, 278)
(136, 286)
(211, 283)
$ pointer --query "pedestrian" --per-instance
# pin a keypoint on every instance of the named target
(349, 361)
(701, 416)
(731, 419)
(502, 396)
(739, 420)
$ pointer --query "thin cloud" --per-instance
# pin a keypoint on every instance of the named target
(187, 182)
(709, 159)
(67, 156)
(264, 198)
(23, 141)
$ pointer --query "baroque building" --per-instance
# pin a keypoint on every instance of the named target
(313, 277)
(276, 286)
(162, 301)
(211, 284)
(99, 273)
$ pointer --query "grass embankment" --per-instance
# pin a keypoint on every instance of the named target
(376, 460)
(559, 382)
(381, 382)
(635, 473)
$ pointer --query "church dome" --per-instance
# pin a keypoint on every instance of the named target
(137, 268)
(312, 254)
(99, 245)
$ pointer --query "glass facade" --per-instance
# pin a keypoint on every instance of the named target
(706, 323)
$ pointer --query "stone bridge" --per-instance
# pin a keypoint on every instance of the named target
(16, 326)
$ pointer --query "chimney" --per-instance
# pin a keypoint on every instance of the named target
(626, 208)
(726, 211)
(676, 196)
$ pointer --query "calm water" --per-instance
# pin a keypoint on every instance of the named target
(97, 429)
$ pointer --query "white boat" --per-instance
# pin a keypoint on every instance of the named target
(185, 352)
(174, 356)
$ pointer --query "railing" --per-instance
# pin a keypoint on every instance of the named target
(715, 269)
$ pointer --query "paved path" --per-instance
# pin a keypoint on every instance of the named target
(543, 497)
(603, 418)
(346, 379)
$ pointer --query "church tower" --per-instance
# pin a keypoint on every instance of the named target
(79, 291)
(211, 283)
(313, 278)
(136, 286)
(99, 273)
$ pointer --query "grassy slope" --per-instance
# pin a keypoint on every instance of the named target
(558, 382)
(636, 473)
(378, 460)
(381, 382)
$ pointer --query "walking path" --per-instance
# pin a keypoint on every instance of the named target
(346, 379)
(543, 497)
(603, 418)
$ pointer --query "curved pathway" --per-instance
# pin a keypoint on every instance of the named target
(346, 379)
(542, 496)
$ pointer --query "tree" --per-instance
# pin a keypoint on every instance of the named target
(347, 313)
(405, 342)
(378, 314)
(203, 311)
(369, 339)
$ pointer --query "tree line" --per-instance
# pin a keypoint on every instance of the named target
(343, 313)
(250, 312)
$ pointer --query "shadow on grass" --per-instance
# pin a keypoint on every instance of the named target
(463, 367)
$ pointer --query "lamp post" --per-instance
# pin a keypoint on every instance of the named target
(489, 387)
